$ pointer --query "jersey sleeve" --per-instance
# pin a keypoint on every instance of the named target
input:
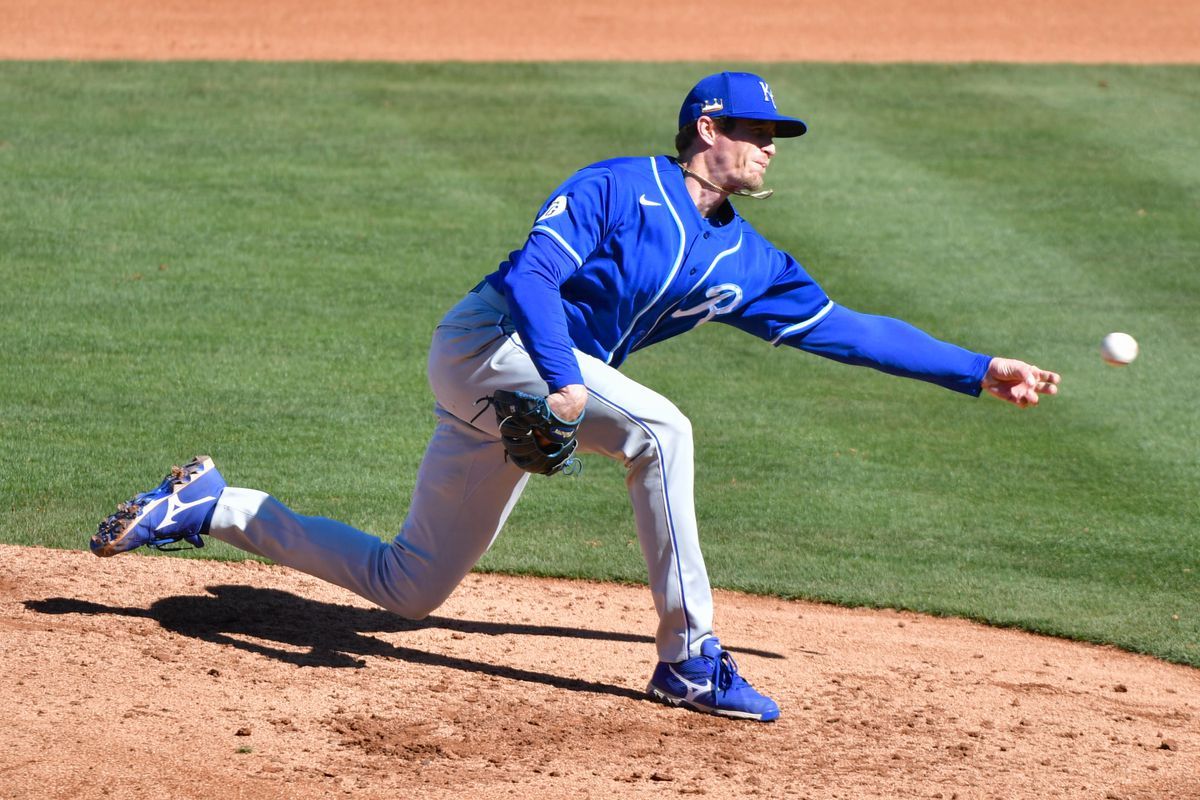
(576, 217)
(568, 228)
(535, 305)
(792, 301)
(795, 311)
(892, 346)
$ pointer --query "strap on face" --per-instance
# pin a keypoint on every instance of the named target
(762, 194)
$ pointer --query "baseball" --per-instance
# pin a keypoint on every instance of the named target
(1119, 349)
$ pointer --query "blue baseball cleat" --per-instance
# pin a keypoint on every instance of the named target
(710, 683)
(178, 509)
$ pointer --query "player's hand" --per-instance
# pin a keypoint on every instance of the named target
(1019, 383)
(568, 402)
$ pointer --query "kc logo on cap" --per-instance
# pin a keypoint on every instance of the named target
(742, 95)
(768, 95)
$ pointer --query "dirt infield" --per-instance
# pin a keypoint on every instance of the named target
(145, 677)
(159, 677)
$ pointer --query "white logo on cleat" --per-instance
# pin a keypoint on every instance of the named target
(175, 506)
(694, 690)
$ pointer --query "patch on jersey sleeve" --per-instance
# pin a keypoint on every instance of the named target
(558, 206)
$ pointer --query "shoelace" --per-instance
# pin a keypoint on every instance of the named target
(192, 539)
(725, 672)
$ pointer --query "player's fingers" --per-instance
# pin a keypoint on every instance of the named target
(1046, 376)
(1006, 392)
(1012, 370)
(1028, 395)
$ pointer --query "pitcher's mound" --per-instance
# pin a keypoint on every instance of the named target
(165, 677)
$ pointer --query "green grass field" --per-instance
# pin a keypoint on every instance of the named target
(247, 260)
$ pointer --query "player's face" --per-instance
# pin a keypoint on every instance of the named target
(742, 155)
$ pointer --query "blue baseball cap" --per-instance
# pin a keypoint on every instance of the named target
(743, 95)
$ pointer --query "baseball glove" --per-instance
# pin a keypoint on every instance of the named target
(534, 438)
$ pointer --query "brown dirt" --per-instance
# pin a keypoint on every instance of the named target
(164, 677)
(1133, 31)
(142, 677)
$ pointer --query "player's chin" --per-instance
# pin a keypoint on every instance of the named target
(756, 177)
(754, 181)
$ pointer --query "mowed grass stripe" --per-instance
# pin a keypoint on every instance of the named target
(247, 260)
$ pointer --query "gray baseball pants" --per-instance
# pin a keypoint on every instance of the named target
(466, 488)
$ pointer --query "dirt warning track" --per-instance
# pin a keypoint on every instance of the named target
(1086, 31)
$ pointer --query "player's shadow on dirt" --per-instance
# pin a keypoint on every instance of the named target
(317, 634)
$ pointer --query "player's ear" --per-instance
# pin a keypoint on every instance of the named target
(706, 129)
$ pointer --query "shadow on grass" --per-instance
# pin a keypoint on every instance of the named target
(336, 635)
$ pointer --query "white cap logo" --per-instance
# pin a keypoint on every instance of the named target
(768, 95)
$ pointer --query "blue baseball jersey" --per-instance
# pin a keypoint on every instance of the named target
(620, 258)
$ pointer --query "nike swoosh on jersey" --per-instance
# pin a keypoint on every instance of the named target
(647, 202)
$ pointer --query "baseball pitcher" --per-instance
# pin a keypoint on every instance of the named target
(526, 371)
